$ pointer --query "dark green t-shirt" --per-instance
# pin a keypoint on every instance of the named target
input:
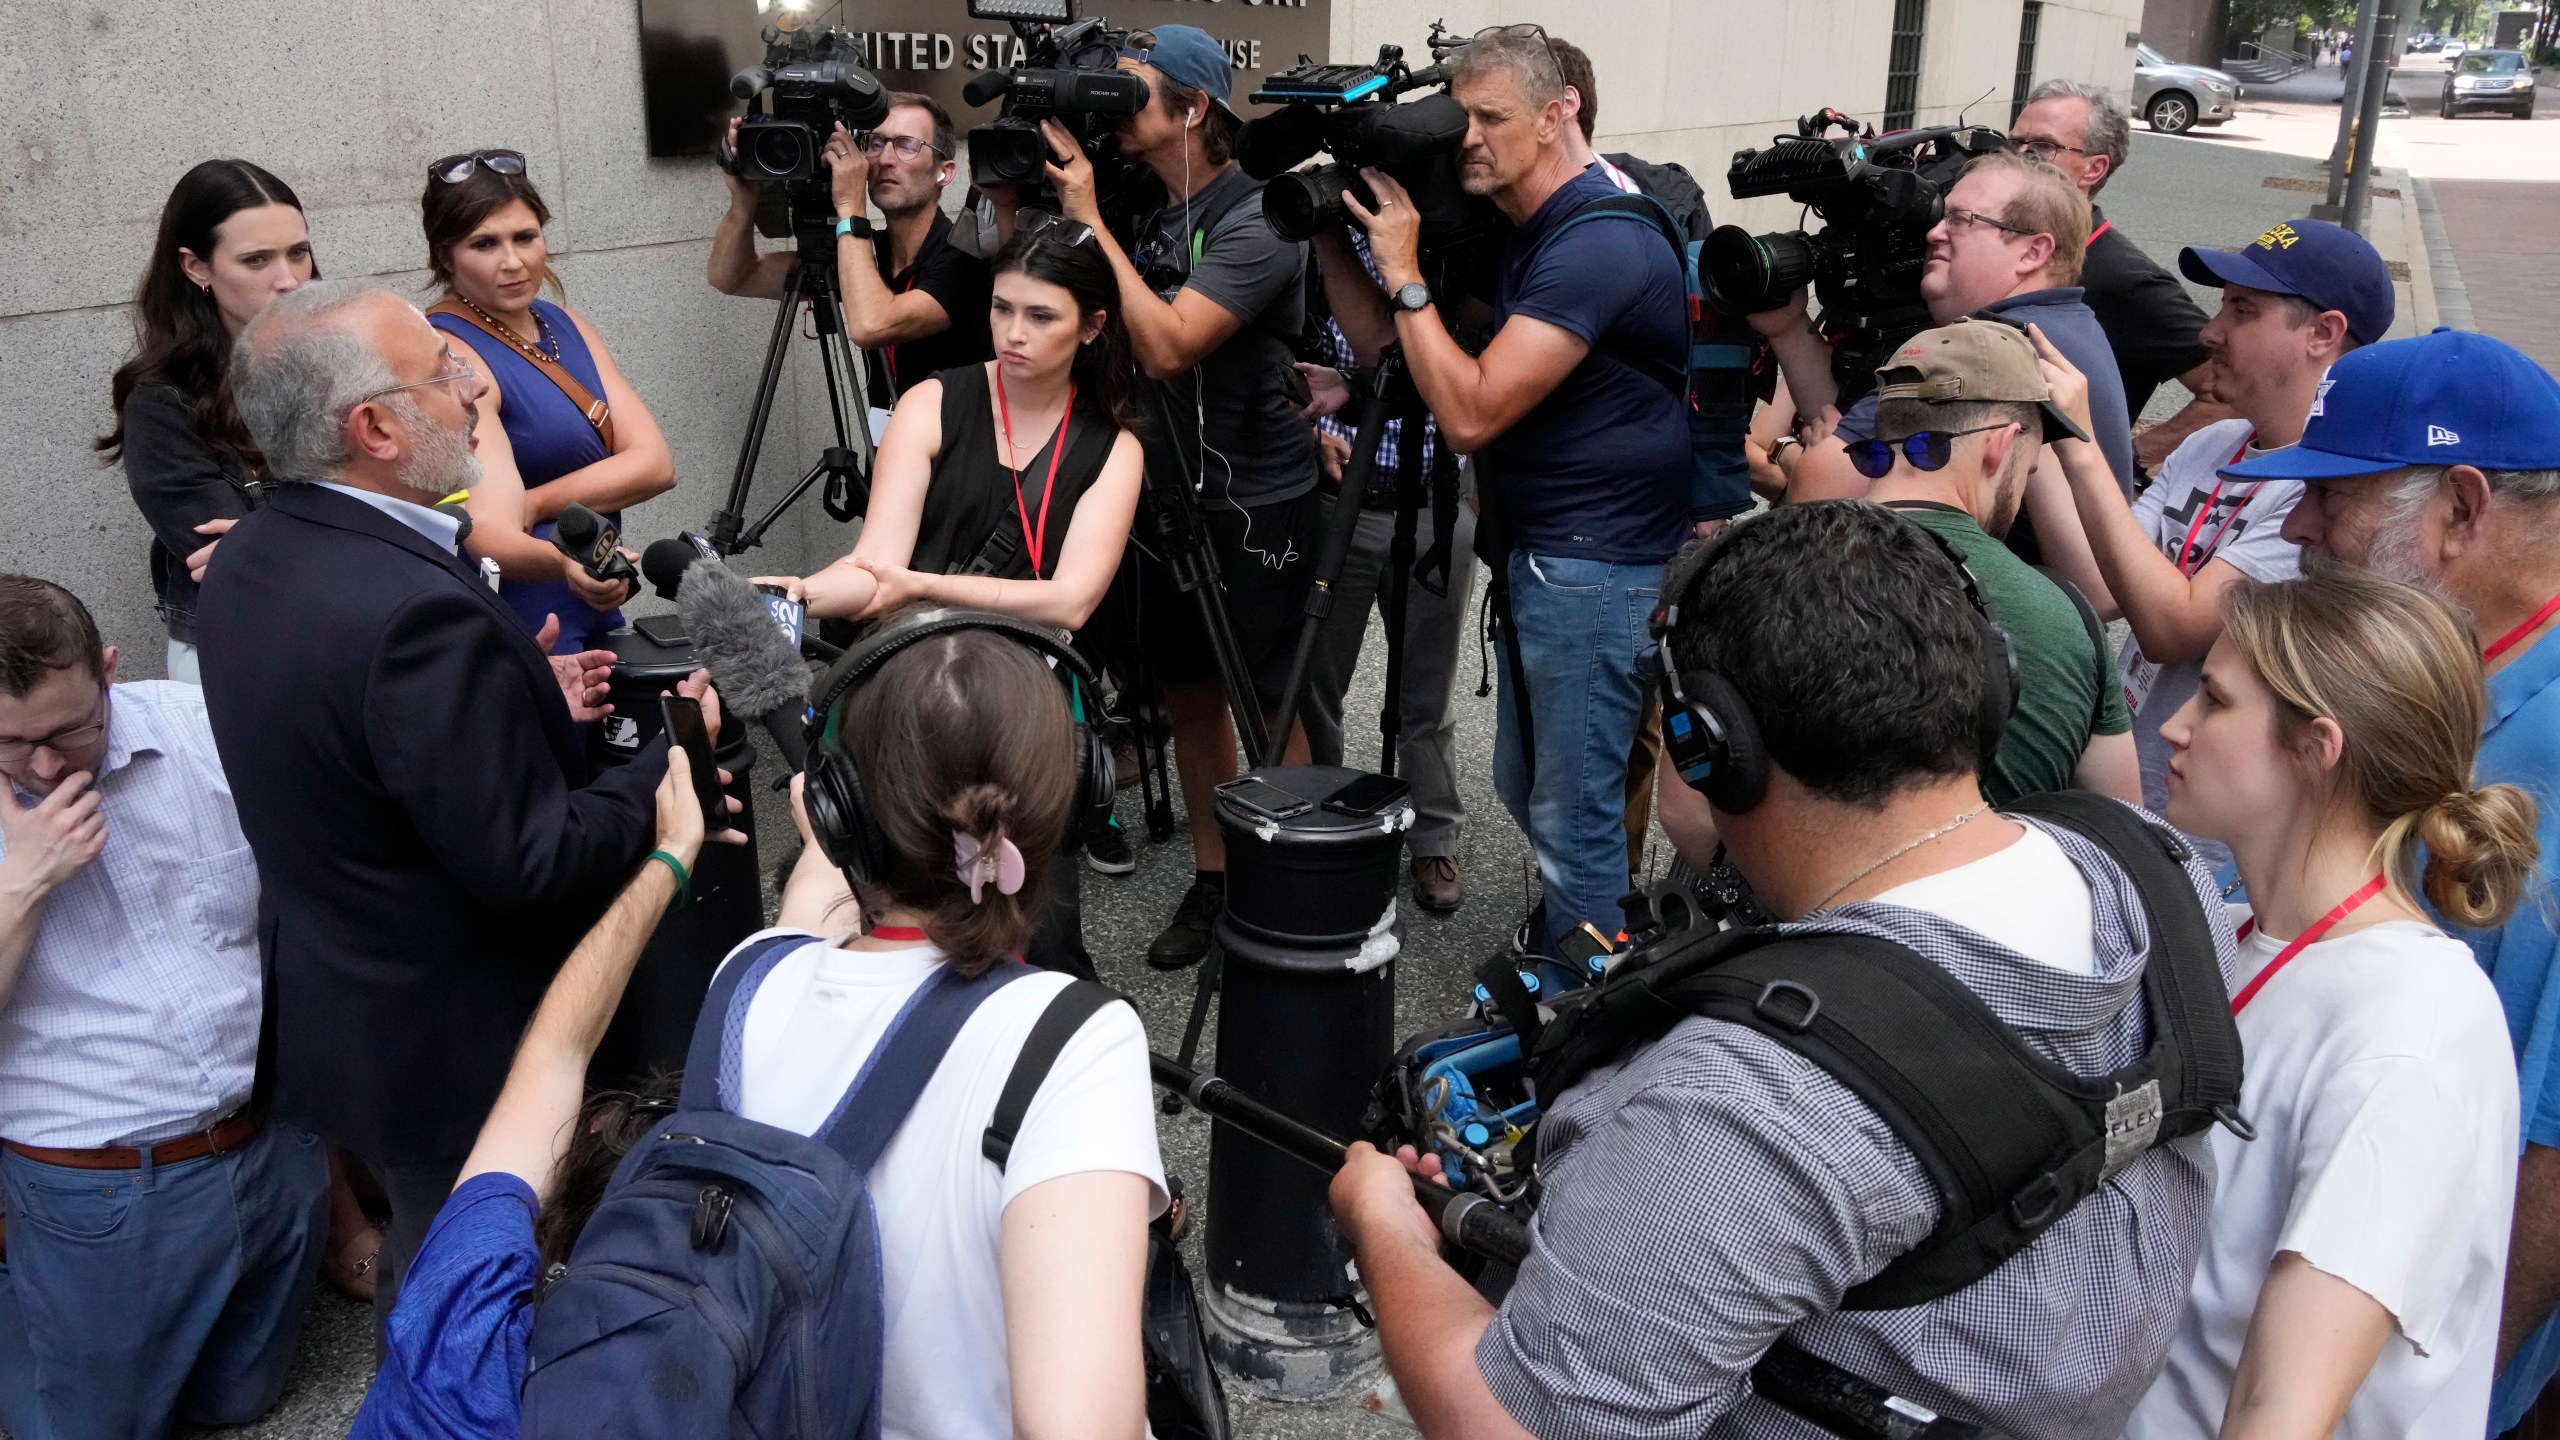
(2066, 684)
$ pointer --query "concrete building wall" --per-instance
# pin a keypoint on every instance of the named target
(348, 102)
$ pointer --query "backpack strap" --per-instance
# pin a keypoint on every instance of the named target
(2097, 629)
(877, 1101)
(599, 414)
(1066, 1014)
(710, 1062)
(1651, 211)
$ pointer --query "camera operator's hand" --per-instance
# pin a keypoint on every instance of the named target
(1395, 229)
(1327, 391)
(1071, 175)
(744, 195)
(1373, 1202)
(1792, 318)
(2070, 388)
(850, 170)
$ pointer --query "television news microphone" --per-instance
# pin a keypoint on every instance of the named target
(596, 547)
(665, 561)
(758, 670)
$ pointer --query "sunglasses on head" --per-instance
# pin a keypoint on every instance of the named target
(1925, 449)
(454, 169)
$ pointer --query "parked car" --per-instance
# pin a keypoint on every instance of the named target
(2176, 98)
(2454, 46)
(2488, 80)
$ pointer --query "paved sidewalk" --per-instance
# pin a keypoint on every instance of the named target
(2504, 241)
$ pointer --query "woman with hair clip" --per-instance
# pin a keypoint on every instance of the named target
(568, 428)
(232, 237)
(1012, 1294)
(2352, 1281)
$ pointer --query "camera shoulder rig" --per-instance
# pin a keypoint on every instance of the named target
(2011, 1140)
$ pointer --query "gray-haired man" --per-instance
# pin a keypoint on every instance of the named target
(2151, 322)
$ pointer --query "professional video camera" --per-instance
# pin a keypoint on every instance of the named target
(1350, 112)
(1879, 195)
(1072, 76)
(810, 82)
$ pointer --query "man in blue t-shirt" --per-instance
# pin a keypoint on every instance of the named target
(1576, 417)
(2436, 460)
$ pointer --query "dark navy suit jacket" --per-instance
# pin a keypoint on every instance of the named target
(431, 840)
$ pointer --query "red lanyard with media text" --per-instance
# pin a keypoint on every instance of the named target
(2187, 562)
(1039, 541)
(2507, 642)
(2301, 942)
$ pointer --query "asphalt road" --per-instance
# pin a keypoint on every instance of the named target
(2173, 192)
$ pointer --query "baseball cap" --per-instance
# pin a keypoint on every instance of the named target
(2332, 268)
(2446, 398)
(1973, 360)
(1190, 55)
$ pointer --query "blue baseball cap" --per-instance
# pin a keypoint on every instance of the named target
(2332, 268)
(1192, 56)
(2446, 398)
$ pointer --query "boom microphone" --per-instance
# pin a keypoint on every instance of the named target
(988, 88)
(758, 670)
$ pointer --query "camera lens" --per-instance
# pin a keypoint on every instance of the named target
(781, 152)
(1749, 273)
(1303, 203)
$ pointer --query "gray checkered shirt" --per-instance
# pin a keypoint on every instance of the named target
(1716, 1191)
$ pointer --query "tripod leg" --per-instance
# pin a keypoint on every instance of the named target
(1185, 542)
(725, 525)
(1329, 561)
(1399, 592)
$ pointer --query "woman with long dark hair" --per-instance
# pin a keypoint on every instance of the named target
(1007, 485)
(562, 426)
(232, 237)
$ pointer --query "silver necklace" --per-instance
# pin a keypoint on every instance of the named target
(1949, 828)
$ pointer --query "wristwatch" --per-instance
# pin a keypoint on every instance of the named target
(1413, 295)
(854, 225)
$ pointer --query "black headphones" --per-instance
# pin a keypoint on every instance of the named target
(1709, 733)
(839, 815)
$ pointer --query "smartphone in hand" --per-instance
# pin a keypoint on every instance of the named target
(683, 715)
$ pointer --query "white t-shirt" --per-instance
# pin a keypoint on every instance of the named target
(2383, 1090)
(2196, 517)
(938, 1199)
(1983, 896)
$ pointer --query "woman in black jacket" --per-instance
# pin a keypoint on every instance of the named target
(232, 238)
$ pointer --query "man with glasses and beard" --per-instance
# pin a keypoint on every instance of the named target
(911, 296)
(2436, 461)
(407, 765)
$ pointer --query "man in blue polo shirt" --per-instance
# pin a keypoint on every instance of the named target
(2436, 460)
(1575, 415)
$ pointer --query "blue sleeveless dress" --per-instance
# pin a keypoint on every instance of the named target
(551, 438)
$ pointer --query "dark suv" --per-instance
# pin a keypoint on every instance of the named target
(2488, 80)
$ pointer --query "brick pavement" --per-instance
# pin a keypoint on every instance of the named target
(2505, 237)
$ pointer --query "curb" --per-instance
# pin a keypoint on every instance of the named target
(2451, 297)
(2414, 248)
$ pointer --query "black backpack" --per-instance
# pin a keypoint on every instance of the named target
(2011, 1140)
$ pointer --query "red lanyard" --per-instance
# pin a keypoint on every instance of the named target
(894, 932)
(2187, 562)
(2508, 641)
(2296, 945)
(2103, 227)
(1038, 542)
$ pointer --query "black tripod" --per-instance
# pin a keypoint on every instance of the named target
(844, 465)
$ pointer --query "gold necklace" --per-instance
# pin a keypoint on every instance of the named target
(548, 350)
(1949, 828)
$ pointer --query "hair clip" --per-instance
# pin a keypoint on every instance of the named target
(977, 864)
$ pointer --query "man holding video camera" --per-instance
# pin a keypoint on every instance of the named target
(1213, 301)
(909, 293)
(1575, 415)
(1715, 1191)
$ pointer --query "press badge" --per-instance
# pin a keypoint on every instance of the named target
(2139, 674)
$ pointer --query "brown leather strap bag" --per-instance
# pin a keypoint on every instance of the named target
(598, 413)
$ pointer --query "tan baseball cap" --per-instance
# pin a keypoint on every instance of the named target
(1973, 360)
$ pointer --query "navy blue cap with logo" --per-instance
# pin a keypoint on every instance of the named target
(2334, 269)
(2446, 398)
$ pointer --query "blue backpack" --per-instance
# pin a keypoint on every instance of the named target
(730, 1281)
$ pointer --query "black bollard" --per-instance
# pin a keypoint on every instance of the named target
(1306, 1025)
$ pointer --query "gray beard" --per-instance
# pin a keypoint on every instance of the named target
(2393, 554)
(440, 459)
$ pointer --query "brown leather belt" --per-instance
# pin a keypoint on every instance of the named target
(231, 1134)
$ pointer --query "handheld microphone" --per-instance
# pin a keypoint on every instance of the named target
(664, 562)
(583, 536)
(759, 672)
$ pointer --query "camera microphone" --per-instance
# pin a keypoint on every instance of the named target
(751, 82)
(583, 536)
(988, 88)
(665, 561)
(758, 670)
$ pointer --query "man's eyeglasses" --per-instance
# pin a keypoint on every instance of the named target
(1048, 225)
(907, 146)
(454, 370)
(1960, 218)
(2044, 149)
(454, 169)
(1925, 449)
(60, 742)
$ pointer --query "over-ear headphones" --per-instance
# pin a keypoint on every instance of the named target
(1713, 740)
(834, 792)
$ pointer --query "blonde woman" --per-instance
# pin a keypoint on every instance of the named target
(2352, 1281)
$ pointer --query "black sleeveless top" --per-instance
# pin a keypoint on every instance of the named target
(972, 495)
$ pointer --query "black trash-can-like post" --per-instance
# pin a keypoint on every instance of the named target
(1306, 1025)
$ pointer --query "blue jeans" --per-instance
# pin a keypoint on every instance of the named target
(1587, 658)
(132, 1295)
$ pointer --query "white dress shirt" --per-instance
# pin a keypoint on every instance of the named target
(135, 1017)
(440, 527)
